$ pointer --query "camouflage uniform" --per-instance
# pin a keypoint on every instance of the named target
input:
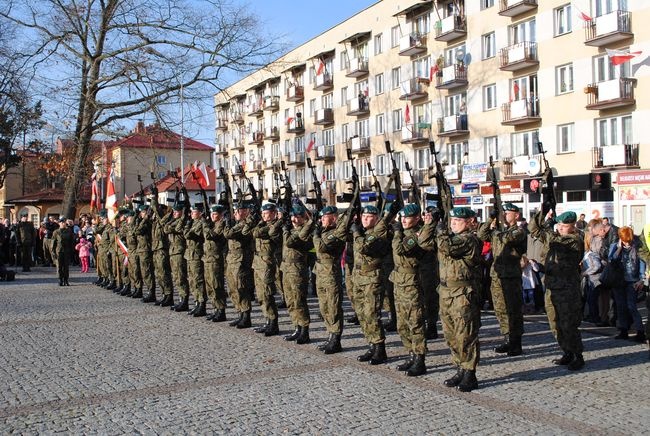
(123, 234)
(25, 237)
(268, 237)
(132, 245)
(160, 248)
(429, 280)
(175, 233)
(295, 275)
(107, 247)
(214, 251)
(99, 251)
(238, 266)
(63, 247)
(193, 254)
(145, 262)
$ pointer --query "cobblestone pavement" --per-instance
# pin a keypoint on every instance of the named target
(83, 360)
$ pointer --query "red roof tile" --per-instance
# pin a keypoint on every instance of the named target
(158, 138)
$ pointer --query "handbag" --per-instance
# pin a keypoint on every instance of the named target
(612, 275)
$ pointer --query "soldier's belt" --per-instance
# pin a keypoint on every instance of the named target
(370, 267)
(406, 270)
(456, 284)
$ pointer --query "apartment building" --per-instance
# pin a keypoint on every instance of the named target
(480, 78)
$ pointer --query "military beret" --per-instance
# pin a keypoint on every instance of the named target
(509, 207)
(239, 206)
(372, 210)
(217, 208)
(410, 210)
(328, 210)
(178, 207)
(62, 219)
(431, 209)
(462, 212)
(298, 210)
(143, 208)
(23, 213)
(103, 213)
(269, 206)
(569, 217)
(122, 211)
(195, 208)
(130, 213)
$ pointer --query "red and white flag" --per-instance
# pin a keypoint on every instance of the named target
(407, 115)
(582, 15)
(95, 203)
(200, 173)
(618, 57)
(290, 120)
(321, 68)
(432, 72)
(311, 144)
(123, 248)
(111, 197)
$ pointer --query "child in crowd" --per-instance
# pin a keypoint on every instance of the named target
(83, 247)
(529, 270)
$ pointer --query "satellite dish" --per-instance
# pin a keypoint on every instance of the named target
(534, 167)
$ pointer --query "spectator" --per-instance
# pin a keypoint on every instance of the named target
(592, 267)
(83, 248)
(529, 283)
(581, 223)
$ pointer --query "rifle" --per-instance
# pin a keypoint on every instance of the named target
(356, 199)
(444, 190)
(288, 192)
(548, 187)
(318, 201)
(496, 193)
(396, 178)
(415, 196)
(227, 191)
(377, 187)
(251, 188)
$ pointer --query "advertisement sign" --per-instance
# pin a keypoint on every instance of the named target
(475, 173)
(506, 187)
(634, 178)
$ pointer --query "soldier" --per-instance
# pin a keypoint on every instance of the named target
(329, 240)
(193, 234)
(459, 252)
(295, 277)
(175, 232)
(508, 243)
(142, 232)
(388, 289)
(63, 247)
(124, 281)
(214, 252)
(268, 236)
(160, 248)
(107, 247)
(25, 238)
(50, 226)
(238, 267)
(128, 237)
(102, 279)
(563, 300)
(429, 277)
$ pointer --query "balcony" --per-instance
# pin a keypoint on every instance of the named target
(236, 143)
(359, 144)
(221, 149)
(296, 93)
(611, 94)
(325, 152)
(413, 44)
(295, 158)
(520, 112)
(222, 124)
(421, 176)
(272, 133)
(358, 67)
(365, 183)
(518, 56)
(453, 125)
(271, 103)
(416, 133)
(616, 156)
(256, 110)
(453, 76)
(258, 165)
(512, 8)
(450, 28)
(256, 138)
(520, 166)
(323, 82)
(414, 89)
(273, 162)
(300, 190)
(323, 117)
(609, 28)
(296, 125)
(236, 118)
(358, 106)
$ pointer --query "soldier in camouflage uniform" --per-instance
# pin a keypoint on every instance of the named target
(160, 248)
(459, 252)
(193, 255)
(129, 238)
(107, 245)
(63, 248)
(102, 279)
(145, 261)
(238, 267)
(297, 243)
(563, 300)
(175, 233)
(388, 289)
(429, 277)
(118, 259)
(508, 244)
(214, 252)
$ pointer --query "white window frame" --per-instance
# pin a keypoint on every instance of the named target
(490, 97)
(381, 165)
(394, 36)
(565, 138)
(395, 77)
(491, 147)
(614, 130)
(161, 159)
(397, 120)
(378, 42)
(344, 96)
(327, 101)
(604, 70)
(328, 137)
(485, 4)
(312, 107)
(380, 124)
(379, 84)
(562, 20)
(488, 46)
(564, 76)
(524, 143)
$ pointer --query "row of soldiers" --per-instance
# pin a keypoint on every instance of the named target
(422, 264)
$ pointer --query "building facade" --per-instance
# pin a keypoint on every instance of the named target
(484, 78)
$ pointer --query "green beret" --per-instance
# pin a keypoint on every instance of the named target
(130, 213)
(298, 210)
(509, 207)
(239, 206)
(178, 207)
(143, 208)
(103, 213)
(328, 210)
(410, 210)
(122, 211)
(269, 206)
(567, 218)
(217, 208)
(196, 208)
(462, 212)
(372, 210)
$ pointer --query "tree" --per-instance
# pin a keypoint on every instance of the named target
(120, 59)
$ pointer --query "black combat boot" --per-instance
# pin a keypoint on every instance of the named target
(282, 304)
(418, 367)
(324, 345)
(334, 346)
(515, 346)
(234, 322)
(390, 325)
(365, 357)
(272, 328)
(66, 282)
(111, 286)
(167, 301)
(622, 334)
(577, 363)
(200, 310)
(304, 336)
(126, 291)
(503, 347)
(183, 305)
(60, 282)
(454, 380)
(566, 358)
(194, 309)
(379, 356)
(119, 289)
(293, 336)
(431, 331)
(245, 321)
(210, 317)
(262, 328)
(640, 336)
(469, 382)
(150, 297)
(219, 315)
(99, 281)
(137, 293)
(407, 363)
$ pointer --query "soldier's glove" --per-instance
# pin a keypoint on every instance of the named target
(356, 228)
(397, 226)
(494, 214)
(394, 208)
(287, 226)
(318, 230)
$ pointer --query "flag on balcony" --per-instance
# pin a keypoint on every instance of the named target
(290, 120)
(432, 72)
(200, 173)
(582, 15)
(618, 57)
(515, 90)
(407, 115)
(95, 203)
(321, 67)
(311, 144)
(111, 198)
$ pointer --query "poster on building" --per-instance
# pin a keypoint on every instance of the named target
(593, 210)
(474, 173)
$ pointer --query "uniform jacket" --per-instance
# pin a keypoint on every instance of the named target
(297, 243)
(268, 237)
(63, 241)
(459, 256)
(508, 245)
(215, 242)
(175, 229)
(194, 239)
(143, 234)
(240, 244)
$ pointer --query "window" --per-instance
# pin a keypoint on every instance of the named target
(422, 158)
(524, 143)
(345, 133)
(161, 159)
(328, 170)
(455, 55)
(312, 107)
(287, 146)
(454, 103)
(399, 160)
(565, 138)
(327, 101)
(397, 120)
(563, 79)
(394, 36)
(312, 75)
(614, 131)
(489, 97)
(379, 122)
(488, 45)
(378, 43)
(379, 84)
(562, 20)
(576, 196)
(485, 4)
(362, 128)
(421, 67)
(381, 165)
(395, 77)
(328, 137)
(299, 144)
(344, 95)
(523, 32)
(421, 24)
(344, 60)
(491, 147)
(456, 153)
(604, 70)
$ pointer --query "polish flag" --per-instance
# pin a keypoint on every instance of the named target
(123, 248)
(200, 173)
(515, 90)
(618, 57)
(290, 120)
(111, 198)
(321, 68)
(407, 115)
(583, 16)
(95, 203)
(432, 72)
(310, 146)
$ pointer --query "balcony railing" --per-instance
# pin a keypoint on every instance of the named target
(325, 152)
(323, 82)
(295, 158)
(520, 112)
(296, 125)
(452, 125)
(236, 117)
(295, 93)
(236, 143)
(256, 109)
(421, 176)
(323, 116)
(222, 124)
(221, 148)
(610, 94)
(412, 44)
(518, 56)
(357, 67)
(450, 28)
(414, 89)
(609, 28)
(271, 103)
(511, 8)
(612, 156)
(415, 133)
(452, 76)
(358, 106)
(359, 144)
(520, 166)
(272, 133)
(256, 138)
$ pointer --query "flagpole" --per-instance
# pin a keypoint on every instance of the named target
(182, 139)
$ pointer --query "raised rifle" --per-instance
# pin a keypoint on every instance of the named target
(548, 186)
(227, 191)
(377, 187)
(251, 188)
(318, 193)
(414, 191)
(496, 193)
(446, 202)
(395, 178)
(287, 199)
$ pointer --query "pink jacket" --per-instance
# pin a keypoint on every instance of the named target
(83, 248)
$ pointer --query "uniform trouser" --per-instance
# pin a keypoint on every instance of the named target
(134, 270)
(215, 284)
(430, 299)
(118, 266)
(196, 279)
(349, 284)
(239, 286)
(63, 266)
(99, 262)
(145, 262)
(179, 274)
(26, 255)
(507, 299)
(278, 277)
(124, 269)
(329, 287)
(367, 300)
(107, 265)
(410, 322)
(388, 298)
(162, 268)
(647, 323)
(461, 319)
(564, 312)
(265, 289)
(295, 284)
(48, 255)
